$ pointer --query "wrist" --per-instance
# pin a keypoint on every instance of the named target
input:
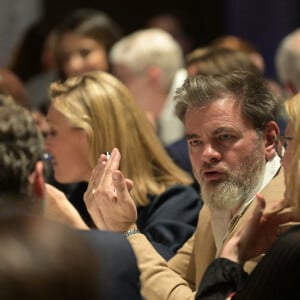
(131, 231)
(231, 251)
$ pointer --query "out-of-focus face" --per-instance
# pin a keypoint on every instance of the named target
(288, 154)
(137, 84)
(80, 54)
(41, 122)
(226, 153)
(69, 149)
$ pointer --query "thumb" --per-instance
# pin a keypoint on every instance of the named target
(261, 202)
(259, 208)
(129, 184)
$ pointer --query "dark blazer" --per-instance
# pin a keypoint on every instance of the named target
(179, 152)
(170, 219)
(120, 263)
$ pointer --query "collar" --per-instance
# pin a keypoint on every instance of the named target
(271, 169)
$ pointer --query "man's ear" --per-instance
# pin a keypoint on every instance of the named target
(270, 134)
(38, 180)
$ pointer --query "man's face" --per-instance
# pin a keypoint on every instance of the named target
(226, 153)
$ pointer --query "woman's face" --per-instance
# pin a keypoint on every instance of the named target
(80, 54)
(69, 148)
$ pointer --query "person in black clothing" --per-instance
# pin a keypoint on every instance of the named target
(22, 193)
(94, 112)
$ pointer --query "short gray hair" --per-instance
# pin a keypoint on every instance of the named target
(287, 59)
(149, 47)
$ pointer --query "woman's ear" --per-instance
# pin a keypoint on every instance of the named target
(270, 135)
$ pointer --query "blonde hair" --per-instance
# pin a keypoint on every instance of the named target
(292, 107)
(102, 106)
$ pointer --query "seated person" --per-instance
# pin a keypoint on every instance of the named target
(99, 111)
(22, 192)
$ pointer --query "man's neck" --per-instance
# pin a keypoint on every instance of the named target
(223, 221)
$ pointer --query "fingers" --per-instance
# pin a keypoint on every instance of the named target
(261, 202)
(101, 175)
(129, 184)
(112, 165)
(119, 182)
(96, 174)
(259, 208)
(278, 206)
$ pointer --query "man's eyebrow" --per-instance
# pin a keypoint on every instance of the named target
(191, 136)
(224, 129)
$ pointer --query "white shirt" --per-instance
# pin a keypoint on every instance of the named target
(170, 128)
(221, 222)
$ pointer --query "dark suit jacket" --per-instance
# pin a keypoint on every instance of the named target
(120, 264)
(179, 152)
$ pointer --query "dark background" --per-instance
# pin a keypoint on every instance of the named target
(262, 22)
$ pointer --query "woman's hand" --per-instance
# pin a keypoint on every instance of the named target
(108, 199)
(259, 232)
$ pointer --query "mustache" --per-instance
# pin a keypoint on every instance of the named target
(218, 167)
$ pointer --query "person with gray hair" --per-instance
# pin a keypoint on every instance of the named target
(231, 132)
(287, 62)
(150, 63)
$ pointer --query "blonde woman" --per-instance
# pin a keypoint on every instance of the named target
(91, 114)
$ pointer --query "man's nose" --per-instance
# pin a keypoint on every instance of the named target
(210, 153)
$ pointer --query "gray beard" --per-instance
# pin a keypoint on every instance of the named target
(238, 187)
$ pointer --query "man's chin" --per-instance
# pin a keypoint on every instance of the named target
(211, 185)
(221, 195)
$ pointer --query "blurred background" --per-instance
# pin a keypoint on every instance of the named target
(262, 22)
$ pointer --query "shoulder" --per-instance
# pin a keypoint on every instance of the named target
(274, 190)
(120, 262)
(183, 195)
(106, 241)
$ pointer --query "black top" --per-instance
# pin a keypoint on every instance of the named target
(120, 264)
(170, 219)
(276, 276)
(179, 152)
(221, 278)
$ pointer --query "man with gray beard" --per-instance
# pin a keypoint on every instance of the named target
(231, 132)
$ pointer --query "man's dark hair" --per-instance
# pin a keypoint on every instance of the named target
(21, 146)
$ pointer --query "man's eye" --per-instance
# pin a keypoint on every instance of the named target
(195, 143)
(225, 137)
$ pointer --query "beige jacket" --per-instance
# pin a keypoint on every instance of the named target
(160, 279)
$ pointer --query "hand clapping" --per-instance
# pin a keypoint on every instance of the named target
(107, 197)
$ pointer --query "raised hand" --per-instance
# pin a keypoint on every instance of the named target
(108, 199)
(260, 232)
